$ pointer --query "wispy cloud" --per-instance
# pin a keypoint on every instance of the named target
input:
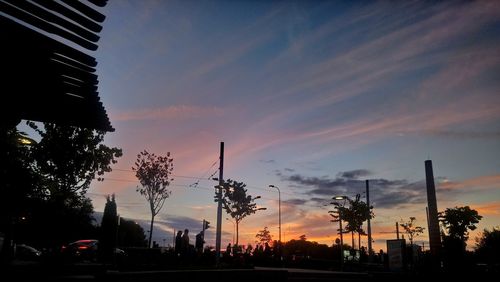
(170, 112)
(268, 161)
(465, 134)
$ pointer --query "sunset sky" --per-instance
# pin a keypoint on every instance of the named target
(314, 97)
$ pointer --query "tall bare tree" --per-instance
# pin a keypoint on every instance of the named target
(154, 173)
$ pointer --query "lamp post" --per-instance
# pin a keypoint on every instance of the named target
(338, 198)
(234, 227)
(279, 210)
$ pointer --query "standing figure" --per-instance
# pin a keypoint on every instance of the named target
(178, 243)
(199, 242)
(185, 243)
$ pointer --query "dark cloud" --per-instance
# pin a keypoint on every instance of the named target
(295, 201)
(268, 161)
(182, 222)
(354, 174)
(384, 193)
(320, 201)
(289, 169)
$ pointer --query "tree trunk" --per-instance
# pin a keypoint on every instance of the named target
(352, 237)
(151, 230)
(237, 231)
(359, 241)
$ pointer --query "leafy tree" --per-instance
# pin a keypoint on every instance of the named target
(304, 250)
(154, 173)
(69, 158)
(458, 220)
(109, 227)
(237, 203)
(354, 215)
(488, 246)
(66, 160)
(303, 237)
(16, 185)
(411, 230)
(264, 236)
(50, 178)
(131, 234)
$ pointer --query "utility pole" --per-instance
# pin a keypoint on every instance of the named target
(219, 206)
(370, 251)
(433, 221)
(397, 230)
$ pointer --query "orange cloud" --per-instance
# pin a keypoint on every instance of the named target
(489, 209)
(473, 184)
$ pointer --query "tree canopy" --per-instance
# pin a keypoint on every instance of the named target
(45, 182)
(488, 246)
(458, 221)
(264, 236)
(411, 229)
(69, 157)
(237, 203)
(155, 175)
(354, 214)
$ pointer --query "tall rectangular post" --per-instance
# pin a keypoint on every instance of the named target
(433, 221)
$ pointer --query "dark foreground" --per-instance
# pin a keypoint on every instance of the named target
(96, 272)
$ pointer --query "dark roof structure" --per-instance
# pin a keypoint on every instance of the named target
(44, 79)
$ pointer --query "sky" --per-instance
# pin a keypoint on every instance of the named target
(314, 97)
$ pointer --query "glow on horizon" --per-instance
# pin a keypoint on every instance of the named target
(304, 94)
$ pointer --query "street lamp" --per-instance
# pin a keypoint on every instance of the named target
(279, 209)
(234, 227)
(339, 198)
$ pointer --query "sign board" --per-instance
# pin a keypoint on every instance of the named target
(395, 251)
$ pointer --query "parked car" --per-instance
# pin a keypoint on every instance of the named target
(25, 252)
(81, 250)
(87, 250)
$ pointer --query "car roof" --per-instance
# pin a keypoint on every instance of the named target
(86, 241)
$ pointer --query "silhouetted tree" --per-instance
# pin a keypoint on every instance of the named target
(354, 215)
(109, 225)
(154, 173)
(237, 203)
(303, 237)
(458, 221)
(53, 175)
(69, 158)
(411, 230)
(264, 236)
(131, 234)
(488, 246)
(305, 250)
(17, 184)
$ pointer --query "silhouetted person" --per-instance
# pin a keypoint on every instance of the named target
(228, 250)
(185, 242)
(199, 242)
(178, 243)
(267, 251)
